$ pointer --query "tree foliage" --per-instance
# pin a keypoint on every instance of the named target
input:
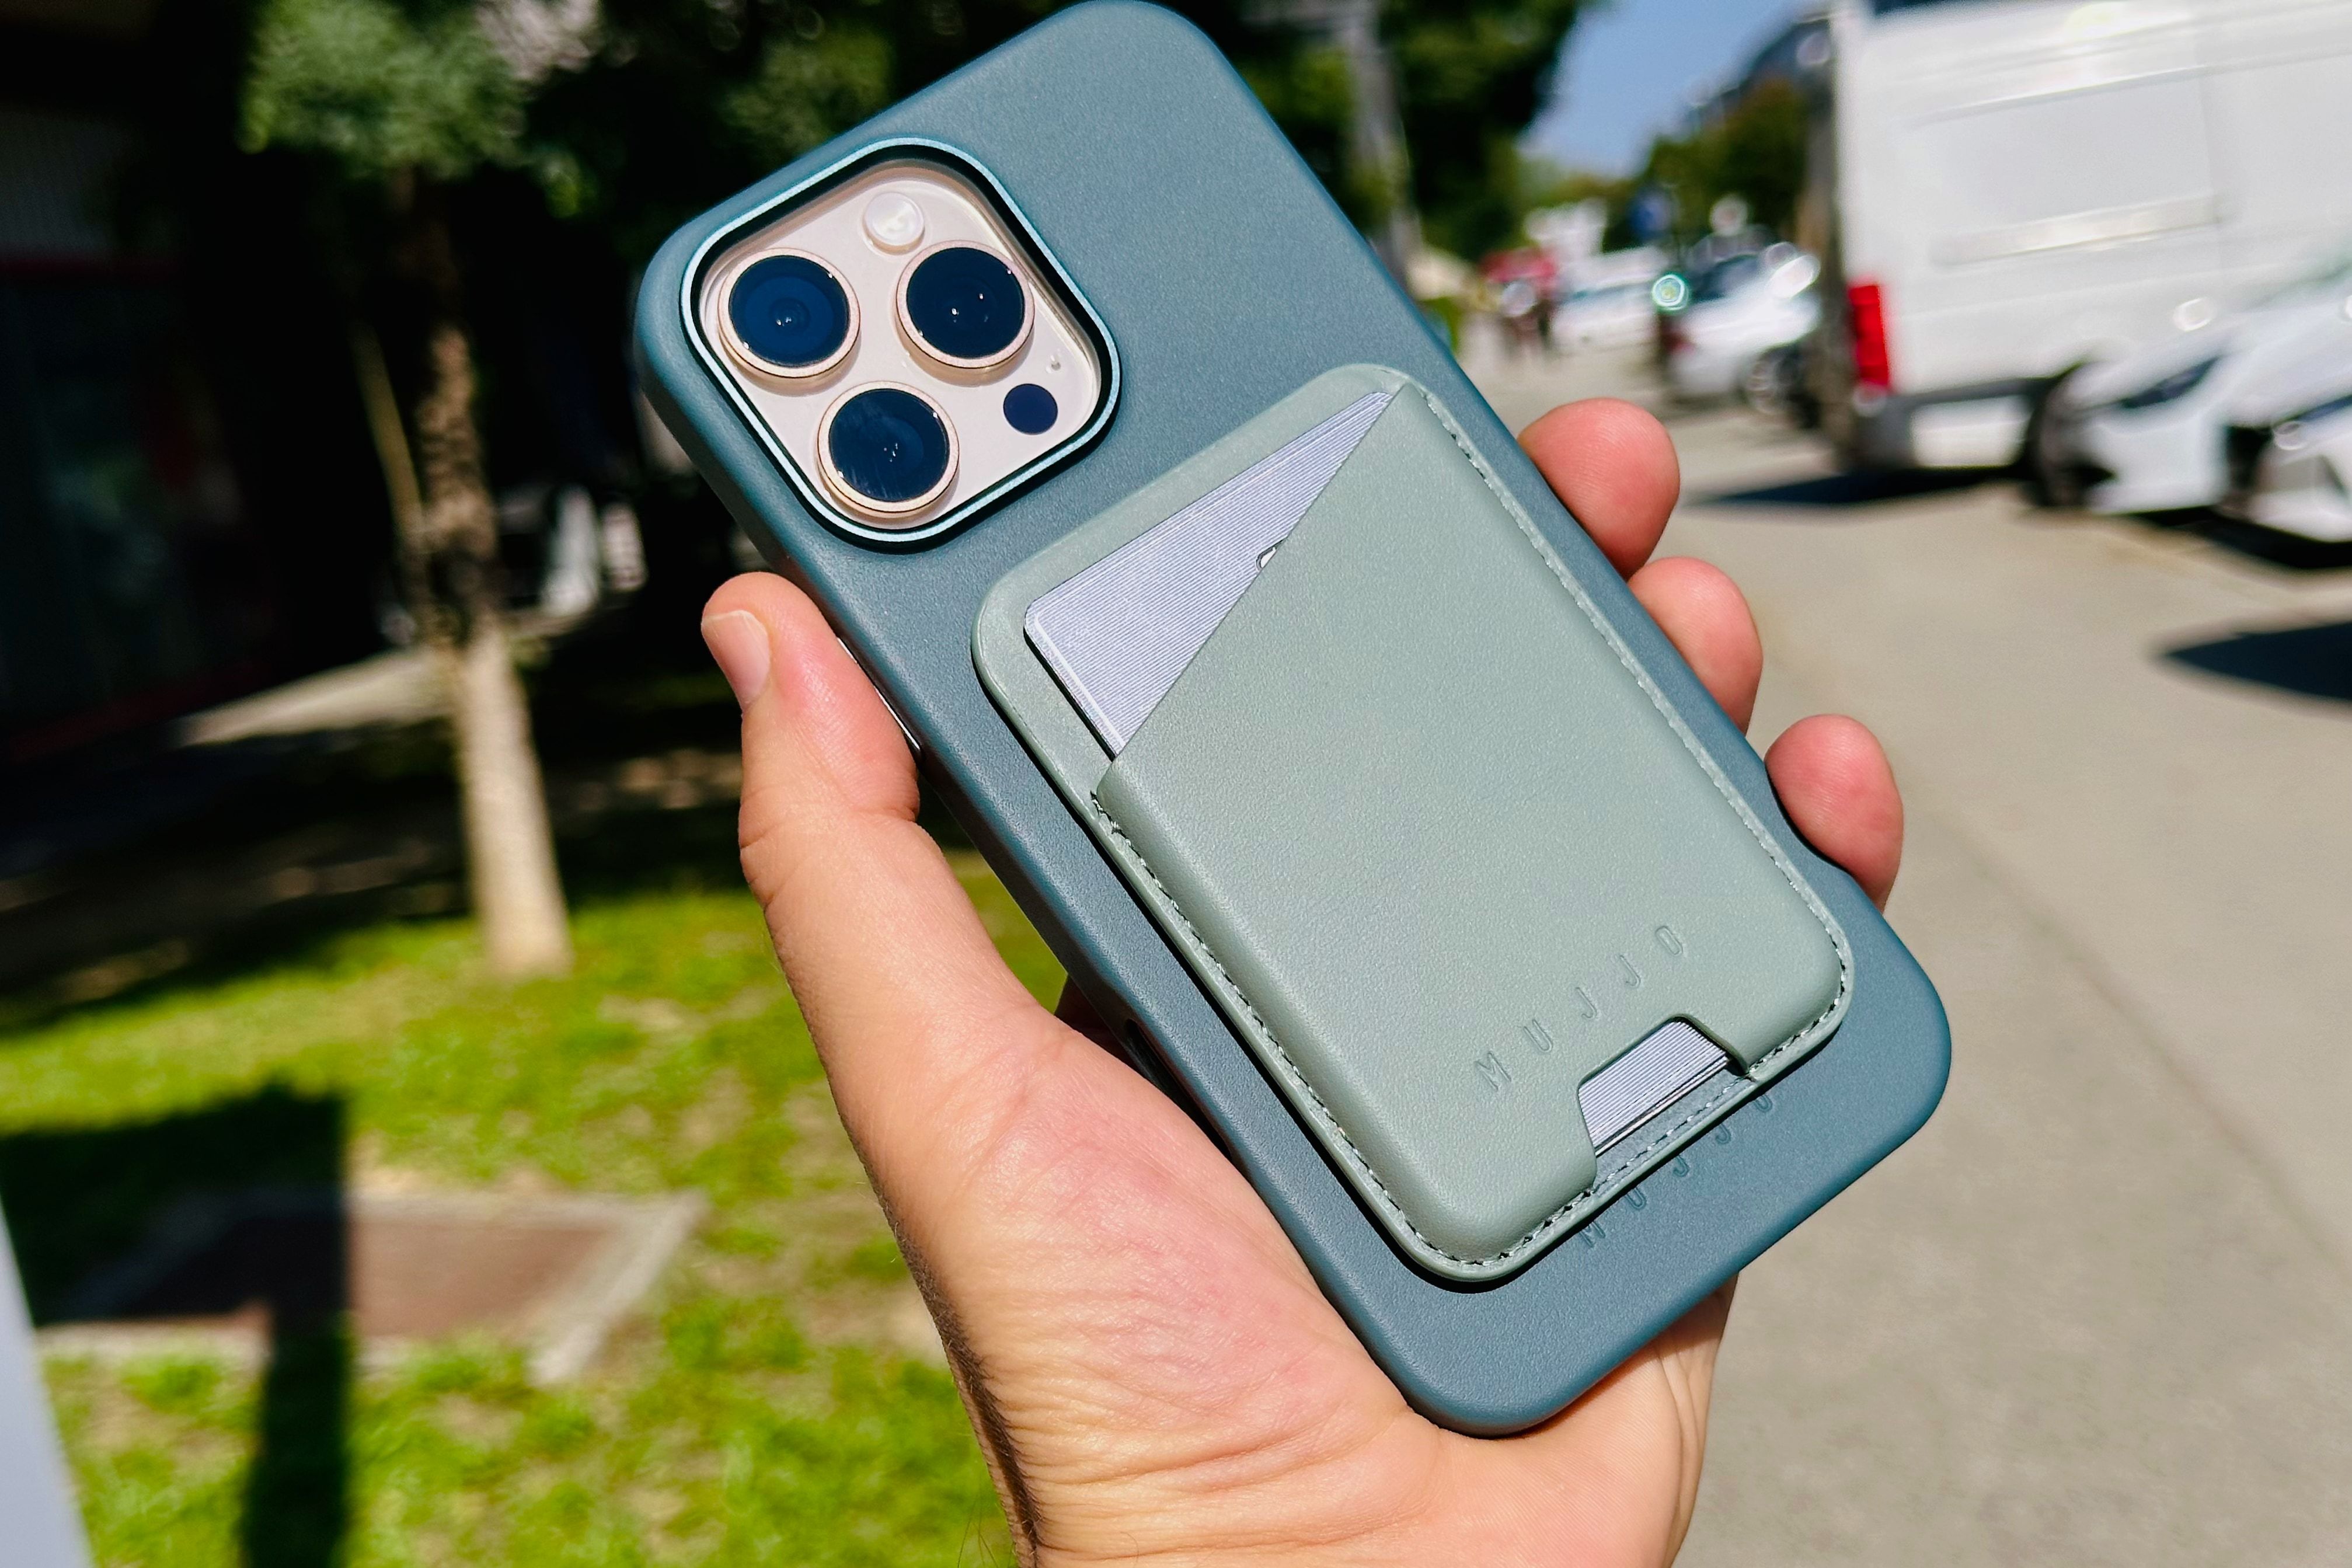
(382, 87)
(667, 105)
(1755, 152)
(1470, 76)
(686, 101)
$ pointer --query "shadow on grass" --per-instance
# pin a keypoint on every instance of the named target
(236, 1210)
(268, 850)
(272, 849)
(192, 940)
(2309, 660)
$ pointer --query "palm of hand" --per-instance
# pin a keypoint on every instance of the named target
(1134, 1326)
(1153, 1372)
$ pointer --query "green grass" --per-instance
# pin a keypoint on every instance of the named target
(759, 1410)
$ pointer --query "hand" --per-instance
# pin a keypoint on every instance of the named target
(1152, 1373)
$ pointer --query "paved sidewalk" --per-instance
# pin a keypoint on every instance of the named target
(2098, 1312)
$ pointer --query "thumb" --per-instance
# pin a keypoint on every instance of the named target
(925, 1033)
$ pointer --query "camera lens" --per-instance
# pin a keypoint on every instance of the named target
(889, 449)
(791, 313)
(1031, 409)
(965, 306)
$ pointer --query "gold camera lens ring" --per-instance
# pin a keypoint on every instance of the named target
(905, 514)
(748, 357)
(925, 346)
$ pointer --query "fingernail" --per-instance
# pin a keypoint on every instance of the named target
(740, 643)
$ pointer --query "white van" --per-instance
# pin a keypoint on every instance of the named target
(2021, 187)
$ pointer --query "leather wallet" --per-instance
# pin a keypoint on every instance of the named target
(1436, 845)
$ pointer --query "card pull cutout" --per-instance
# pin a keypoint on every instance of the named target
(1118, 633)
(1619, 1099)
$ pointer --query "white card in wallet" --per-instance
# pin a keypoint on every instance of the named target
(1118, 633)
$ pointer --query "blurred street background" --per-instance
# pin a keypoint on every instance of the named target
(2096, 1312)
(409, 1149)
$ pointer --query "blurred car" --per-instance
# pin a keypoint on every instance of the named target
(1741, 310)
(2144, 432)
(2291, 472)
(1782, 384)
(1521, 284)
(1606, 316)
(1603, 301)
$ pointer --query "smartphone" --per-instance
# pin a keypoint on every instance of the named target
(1337, 766)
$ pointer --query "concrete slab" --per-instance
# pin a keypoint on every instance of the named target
(554, 1274)
(2071, 1323)
(2185, 833)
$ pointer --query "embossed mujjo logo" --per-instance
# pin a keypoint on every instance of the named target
(1537, 1035)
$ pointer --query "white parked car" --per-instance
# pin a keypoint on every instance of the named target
(1741, 309)
(2144, 431)
(1606, 316)
(2290, 470)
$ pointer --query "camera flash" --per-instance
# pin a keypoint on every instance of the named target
(894, 222)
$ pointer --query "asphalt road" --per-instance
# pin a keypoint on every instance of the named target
(2097, 1312)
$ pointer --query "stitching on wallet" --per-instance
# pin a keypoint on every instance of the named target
(1541, 1231)
(1681, 731)
(1330, 1123)
(1669, 1135)
(1296, 1080)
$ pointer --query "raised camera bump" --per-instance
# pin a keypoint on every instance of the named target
(887, 450)
(991, 318)
(965, 306)
(789, 314)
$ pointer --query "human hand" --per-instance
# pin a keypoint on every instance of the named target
(1152, 1371)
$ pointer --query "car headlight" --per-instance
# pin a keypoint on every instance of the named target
(2172, 389)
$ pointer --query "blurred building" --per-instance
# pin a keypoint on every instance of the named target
(189, 508)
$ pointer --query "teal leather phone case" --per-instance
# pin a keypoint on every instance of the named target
(1438, 845)
(1429, 781)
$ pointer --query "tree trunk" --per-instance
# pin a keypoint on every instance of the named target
(448, 529)
(510, 854)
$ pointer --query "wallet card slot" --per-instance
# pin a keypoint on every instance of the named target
(1117, 635)
(1444, 860)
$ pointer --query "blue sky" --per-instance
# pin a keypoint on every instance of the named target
(1629, 65)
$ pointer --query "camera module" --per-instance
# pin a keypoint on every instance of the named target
(887, 450)
(789, 314)
(965, 306)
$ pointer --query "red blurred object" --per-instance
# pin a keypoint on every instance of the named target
(1529, 265)
(1873, 364)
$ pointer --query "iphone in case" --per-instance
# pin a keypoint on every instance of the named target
(1336, 764)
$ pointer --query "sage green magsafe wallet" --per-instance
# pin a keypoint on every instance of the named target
(1437, 846)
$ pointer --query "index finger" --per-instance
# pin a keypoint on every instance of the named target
(1614, 465)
